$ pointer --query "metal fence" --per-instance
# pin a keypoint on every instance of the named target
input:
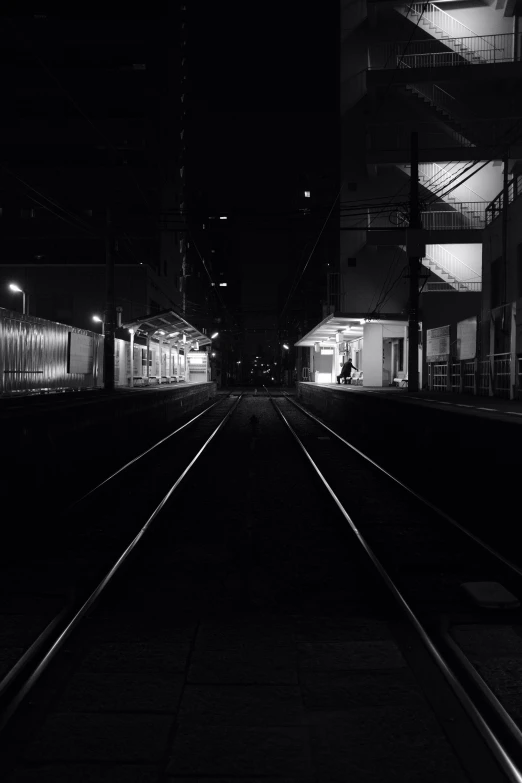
(484, 376)
(438, 376)
(502, 374)
(40, 355)
(444, 52)
(462, 288)
(455, 376)
(495, 208)
(468, 371)
(444, 217)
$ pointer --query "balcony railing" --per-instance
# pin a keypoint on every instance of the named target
(495, 209)
(445, 288)
(461, 215)
(445, 52)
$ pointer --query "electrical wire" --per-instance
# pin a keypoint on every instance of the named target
(296, 283)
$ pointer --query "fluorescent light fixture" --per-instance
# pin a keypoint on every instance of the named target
(173, 334)
(213, 336)
(223, 285)
(285, 346)
(223, 217)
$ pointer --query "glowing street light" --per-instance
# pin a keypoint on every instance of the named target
(213, 336)
(99, 321)
(17, 290)
(285, 346)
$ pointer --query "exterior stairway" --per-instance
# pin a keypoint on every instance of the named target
(450, 269)
(460, 39)
(440, 102)
(436, 178)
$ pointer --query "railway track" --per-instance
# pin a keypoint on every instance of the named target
(360, 531)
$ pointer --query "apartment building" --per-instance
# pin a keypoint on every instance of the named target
(451, 72)
(90, 130)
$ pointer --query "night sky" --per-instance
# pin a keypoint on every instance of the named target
(265, 82)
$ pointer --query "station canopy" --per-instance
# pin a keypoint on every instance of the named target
(167, 325)
(349, 326)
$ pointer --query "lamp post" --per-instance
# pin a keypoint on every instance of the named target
(25, 297)
(99, 320)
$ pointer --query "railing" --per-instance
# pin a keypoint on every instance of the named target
(444, 52)
(455, 376)
(501, 374)
(495, 208)
(451, 264)
(438, 177)
(471, 287)
(435, 94)
(445, 23)
(484, 376)
(468, 376)
(437, 376)
(306, 374)
(459, 215)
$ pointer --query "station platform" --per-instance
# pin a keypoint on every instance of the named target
(466, 404)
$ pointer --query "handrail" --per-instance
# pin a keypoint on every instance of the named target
(449, 258)
(453, 23)
(458, 51)
(444, 175)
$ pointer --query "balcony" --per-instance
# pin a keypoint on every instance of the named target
(448, 288)
(444, 52)
(440, 217)
(496, 207)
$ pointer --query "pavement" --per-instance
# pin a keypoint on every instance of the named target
(487, 407)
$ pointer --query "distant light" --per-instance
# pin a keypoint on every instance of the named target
(97, 319)
(223, 217)
(238, 362)
(212, 354)
(15, 288)
(272, 379)
(131, 331)
(160, 332)
(223, 285)
(307, 194)
(286, 346)
(213, 336)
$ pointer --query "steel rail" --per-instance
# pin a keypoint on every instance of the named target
(418, 496)
(88, 604)
(132, 461)
(501, 756)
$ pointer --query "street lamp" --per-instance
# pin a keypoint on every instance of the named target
(17, 290)
(213, 336)
(99, 321)
(285, 346)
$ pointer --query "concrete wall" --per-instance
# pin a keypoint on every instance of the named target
(481, 19)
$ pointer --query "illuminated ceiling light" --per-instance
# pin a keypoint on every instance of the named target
(173, 334)
(223, 285)
(223, 217)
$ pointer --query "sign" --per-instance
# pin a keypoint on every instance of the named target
(438, 344)
(467, 339)
(327, 351)
(80, 353)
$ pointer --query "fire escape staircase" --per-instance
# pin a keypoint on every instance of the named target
(464, 42)
(453, 34)
(434, 178)
(450, 269)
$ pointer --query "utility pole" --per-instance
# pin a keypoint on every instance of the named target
(505, 204)
(416, 251)
(110, 308)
